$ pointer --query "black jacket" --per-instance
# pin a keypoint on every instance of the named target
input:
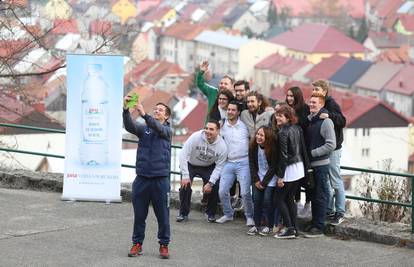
(303, 117)
(338, 119)
(292, 148)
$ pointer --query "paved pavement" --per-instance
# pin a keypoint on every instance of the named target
(38, 229)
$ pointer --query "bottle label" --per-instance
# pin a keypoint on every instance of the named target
(94, 122)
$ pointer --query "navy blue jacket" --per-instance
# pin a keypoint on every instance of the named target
(154, 145)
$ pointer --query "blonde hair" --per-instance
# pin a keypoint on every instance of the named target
(324, 84)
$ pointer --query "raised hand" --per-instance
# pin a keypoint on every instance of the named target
(204, 66)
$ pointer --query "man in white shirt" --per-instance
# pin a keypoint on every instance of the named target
(236, 137)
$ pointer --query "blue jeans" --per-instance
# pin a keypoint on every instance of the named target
(336, 184)
(146, 190)
(263, 201)
(229, 173)
(320, 196)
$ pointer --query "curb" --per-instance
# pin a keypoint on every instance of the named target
(353, 228)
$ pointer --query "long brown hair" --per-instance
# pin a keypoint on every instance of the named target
(268, 143)
(298, 101)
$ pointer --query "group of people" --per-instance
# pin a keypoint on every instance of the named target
(272, 152)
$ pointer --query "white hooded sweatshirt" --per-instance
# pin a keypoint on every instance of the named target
(199, 152)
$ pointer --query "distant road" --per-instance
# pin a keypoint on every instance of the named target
(37, 229)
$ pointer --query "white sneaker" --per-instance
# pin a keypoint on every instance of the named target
(250, 222)
(265, 231)
(224, 219)
(252, 231)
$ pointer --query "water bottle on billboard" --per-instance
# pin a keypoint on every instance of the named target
(94, 141)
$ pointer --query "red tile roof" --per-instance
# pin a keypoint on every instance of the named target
(101, 27)
(64, 26)
(151, 72)
(18, 112)
(283, 65)
(383, 40)
(162, 69)
(156, 13)
(298, 8)
(352, 105)
(188, 11)
(136, 73)
(195, 120)
(19, 3)
(408, 22)
(403, 82)
(395, 55)
(318, 38)
(143, 92)
(144, 5)
(158, 96)
(220, 12)
(326, 68)
(385, 8)
(183, 30)
(10, 48)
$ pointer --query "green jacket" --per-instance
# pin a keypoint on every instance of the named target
(209, 91)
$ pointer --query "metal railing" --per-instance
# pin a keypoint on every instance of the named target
(49, 130)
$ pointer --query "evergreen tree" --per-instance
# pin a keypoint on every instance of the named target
(362, 32)
(272, 17)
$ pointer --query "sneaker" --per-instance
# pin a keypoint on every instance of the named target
(234, 199)
(253, 231)
(277, 228)
(306, 212)
(182, 218)
(249, 222)
(313, 232)
(338, 219)
(164, 252)
(224, 219)
(288, 233)
(238, 205)
(265, 231)
(210, 218)
(330, 216)
(135, 250)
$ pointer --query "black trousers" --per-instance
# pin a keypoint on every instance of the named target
(185, 193)
(285, 201)
(303, 183)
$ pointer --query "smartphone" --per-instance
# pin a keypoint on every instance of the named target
(132, 101)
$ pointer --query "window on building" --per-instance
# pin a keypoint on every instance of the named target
(356, 132)
(365, 132)
(365, 152)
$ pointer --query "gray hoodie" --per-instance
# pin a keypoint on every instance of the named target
(199, 152)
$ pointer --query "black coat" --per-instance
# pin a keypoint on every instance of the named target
(338, 119)
(292, 148)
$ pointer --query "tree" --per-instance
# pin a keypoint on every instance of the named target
(362, 32)
(19, 38)
(272, 17)
(333, 11)
(248, 32)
